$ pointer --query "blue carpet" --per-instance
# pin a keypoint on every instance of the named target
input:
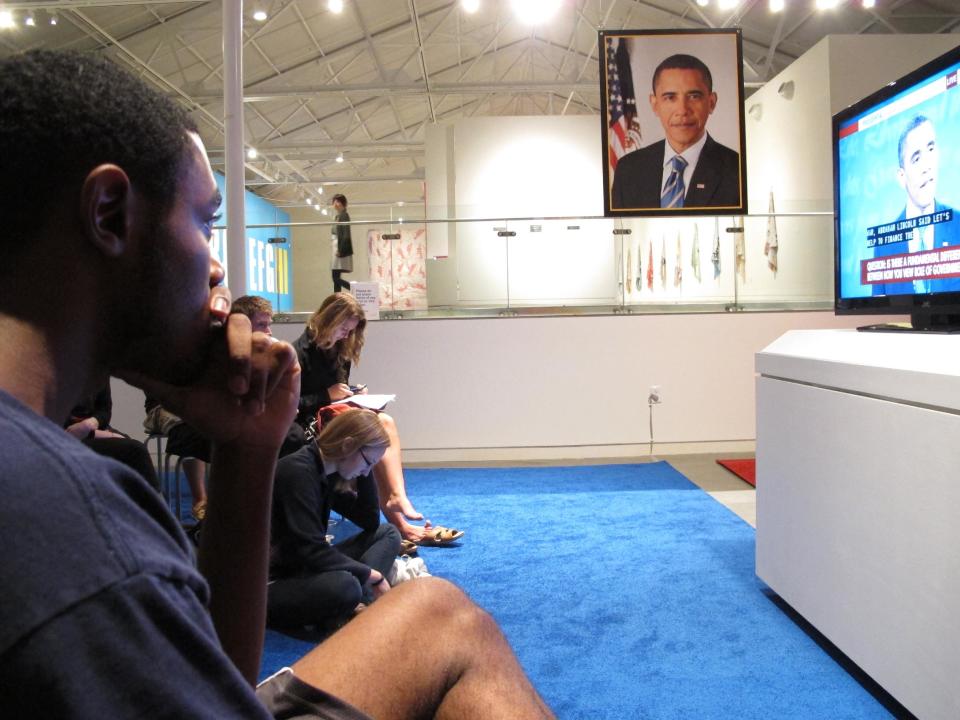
(627, 593)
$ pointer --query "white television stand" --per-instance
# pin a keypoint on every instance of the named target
(858, 501)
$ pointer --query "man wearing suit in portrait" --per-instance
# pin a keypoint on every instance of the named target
(688, 168)
(919, 162)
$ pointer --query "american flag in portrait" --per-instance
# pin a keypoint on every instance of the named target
(624, 135)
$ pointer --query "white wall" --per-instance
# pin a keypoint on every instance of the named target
(861, 64)
(545, 387)
(531, 167)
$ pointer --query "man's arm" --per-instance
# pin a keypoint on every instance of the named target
(244, 403)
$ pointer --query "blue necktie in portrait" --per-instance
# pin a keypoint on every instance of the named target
(674, 190)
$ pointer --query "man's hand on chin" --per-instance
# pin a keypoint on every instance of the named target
(247, 394)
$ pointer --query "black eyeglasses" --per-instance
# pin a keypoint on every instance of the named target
(365, 458)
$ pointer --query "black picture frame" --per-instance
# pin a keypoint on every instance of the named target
(718, 181)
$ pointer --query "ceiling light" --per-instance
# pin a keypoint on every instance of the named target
(309, 201)
(340, 157)
(400, 220)
(259, 14)
(776, 5)
(335, 6)
(826, 4)
(320, 189)
(728, 4)
(703, 3)
(869, 3)
(31, 21)
(252, 154)
(470, 6)
(534, 12)
(323, 212)
(399, 203)
(6, 19)
(53, 17)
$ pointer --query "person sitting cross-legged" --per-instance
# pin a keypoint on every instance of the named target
(314, 583)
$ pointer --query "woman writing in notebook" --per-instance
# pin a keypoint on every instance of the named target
(328, 347)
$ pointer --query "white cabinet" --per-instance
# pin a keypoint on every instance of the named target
(858, 501)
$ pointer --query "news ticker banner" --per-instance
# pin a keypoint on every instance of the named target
(267, 248)
(925, 265)
(930, 264)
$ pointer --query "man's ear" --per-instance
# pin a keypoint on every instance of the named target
(105, 209)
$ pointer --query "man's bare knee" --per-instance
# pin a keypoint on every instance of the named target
(443, 607)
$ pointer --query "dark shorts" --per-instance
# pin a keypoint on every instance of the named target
(288, 698)
(184, 441)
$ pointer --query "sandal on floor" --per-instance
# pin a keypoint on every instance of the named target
(407, 547)
(441, 536)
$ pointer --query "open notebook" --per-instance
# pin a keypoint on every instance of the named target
(372, 402)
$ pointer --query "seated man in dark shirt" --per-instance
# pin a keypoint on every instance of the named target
(107, 270)
(89, 422)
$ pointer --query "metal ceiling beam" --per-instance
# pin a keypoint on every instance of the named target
(77, 4)
(412, 6)
(417, 175)
(379, 35)
(411, 89)
(358, 147)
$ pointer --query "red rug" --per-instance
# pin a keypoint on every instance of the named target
(745, 469)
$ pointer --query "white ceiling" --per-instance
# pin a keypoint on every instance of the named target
(368, 81)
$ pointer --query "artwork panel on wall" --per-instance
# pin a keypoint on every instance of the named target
(398, 262)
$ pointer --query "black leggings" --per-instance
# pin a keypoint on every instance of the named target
(327, 597)
(339, 282)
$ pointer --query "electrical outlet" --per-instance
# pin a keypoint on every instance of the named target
(654, 398)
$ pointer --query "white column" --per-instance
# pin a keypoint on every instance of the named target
(233, 146)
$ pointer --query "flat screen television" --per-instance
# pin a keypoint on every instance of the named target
(896, 164)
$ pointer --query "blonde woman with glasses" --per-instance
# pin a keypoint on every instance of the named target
(314, 582)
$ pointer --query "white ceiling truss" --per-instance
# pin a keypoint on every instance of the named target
(366, 83)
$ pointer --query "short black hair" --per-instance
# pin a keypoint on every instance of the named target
(341, 198)
(915, 122)
(683, 62)
(65, 113)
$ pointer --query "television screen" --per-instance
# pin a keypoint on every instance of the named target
(896, 194)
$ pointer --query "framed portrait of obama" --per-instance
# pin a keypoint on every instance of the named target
(672, 122)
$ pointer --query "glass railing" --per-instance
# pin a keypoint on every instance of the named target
(485, 266)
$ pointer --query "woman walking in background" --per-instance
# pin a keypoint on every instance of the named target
(341, 245)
